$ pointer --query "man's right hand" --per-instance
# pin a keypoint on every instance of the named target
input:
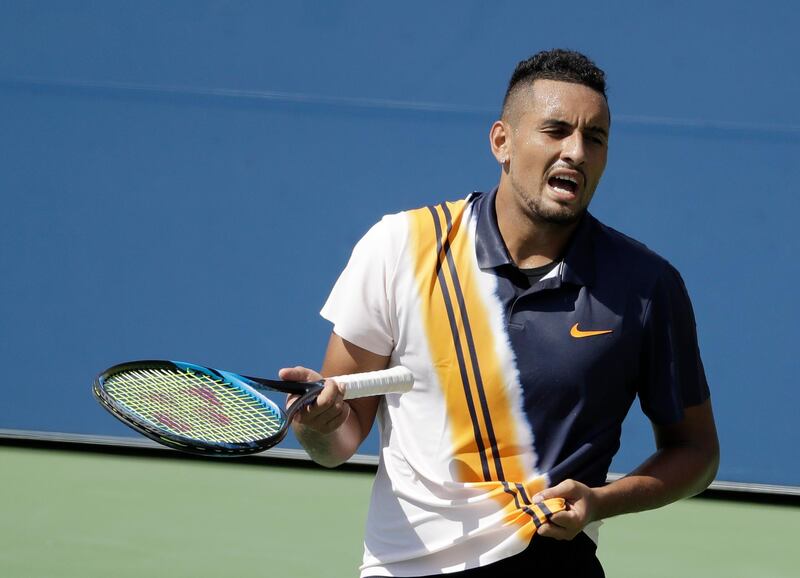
(331, 429)
(325, 414)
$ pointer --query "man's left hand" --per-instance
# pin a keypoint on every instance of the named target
(581, 504)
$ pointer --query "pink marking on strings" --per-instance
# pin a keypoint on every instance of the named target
(175, 424)
(205, 393)
(161, 397)
(213, 415)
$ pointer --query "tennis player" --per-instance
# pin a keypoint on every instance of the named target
(530, 327)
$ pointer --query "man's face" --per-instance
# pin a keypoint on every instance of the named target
(557, 149)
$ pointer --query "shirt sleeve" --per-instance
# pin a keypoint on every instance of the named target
(360, 304)
(673, 376)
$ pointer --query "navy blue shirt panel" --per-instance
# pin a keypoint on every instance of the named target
(578, 389)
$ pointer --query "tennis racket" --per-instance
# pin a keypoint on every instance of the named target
(208, 411)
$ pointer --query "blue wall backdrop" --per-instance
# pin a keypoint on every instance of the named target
(186, 179)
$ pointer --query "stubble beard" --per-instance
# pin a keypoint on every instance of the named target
(540, 213)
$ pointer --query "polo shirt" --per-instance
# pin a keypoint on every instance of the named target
(517, 386)
(613, 320)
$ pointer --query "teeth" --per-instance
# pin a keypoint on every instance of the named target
(567, 178)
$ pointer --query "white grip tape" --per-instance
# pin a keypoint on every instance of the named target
(393, 380)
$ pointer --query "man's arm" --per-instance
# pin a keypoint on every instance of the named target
(331, 429)
(683, 465)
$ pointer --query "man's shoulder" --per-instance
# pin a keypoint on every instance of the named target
(623, 242)
(394, 228)
(441, 216)
(449, 206)
(627, 255)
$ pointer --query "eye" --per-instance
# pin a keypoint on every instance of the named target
(597, 139)
(556, 131)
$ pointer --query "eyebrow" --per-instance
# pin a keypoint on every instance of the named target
(564, 124)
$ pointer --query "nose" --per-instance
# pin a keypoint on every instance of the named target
(573, 149)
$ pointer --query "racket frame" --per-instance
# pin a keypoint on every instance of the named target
(252, 386)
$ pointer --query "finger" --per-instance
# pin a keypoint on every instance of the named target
(332, 394)
(564, 519)
(560, 490)
(290, 400)
(339, 418)
(302, 374)
(550, 530)
(298, 373)
(323, 414)
(326, 422)
(328, 403)
(329, 413)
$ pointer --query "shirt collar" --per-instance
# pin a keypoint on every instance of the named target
(490, 249)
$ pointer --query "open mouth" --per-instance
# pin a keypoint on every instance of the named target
(563, 184)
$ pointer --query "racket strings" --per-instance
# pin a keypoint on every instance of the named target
(194, 405)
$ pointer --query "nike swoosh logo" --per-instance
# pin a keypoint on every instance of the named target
(578, 334)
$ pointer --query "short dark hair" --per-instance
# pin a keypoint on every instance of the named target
(557, 64)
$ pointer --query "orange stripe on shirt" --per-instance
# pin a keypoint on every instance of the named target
(437, 312)
(486, 450)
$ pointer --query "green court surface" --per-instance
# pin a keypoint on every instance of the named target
(86, 514)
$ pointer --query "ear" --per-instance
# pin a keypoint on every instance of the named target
(500, 141)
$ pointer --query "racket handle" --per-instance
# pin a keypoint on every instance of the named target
(393, 380)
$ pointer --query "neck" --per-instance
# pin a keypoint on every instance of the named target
(531, 241)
